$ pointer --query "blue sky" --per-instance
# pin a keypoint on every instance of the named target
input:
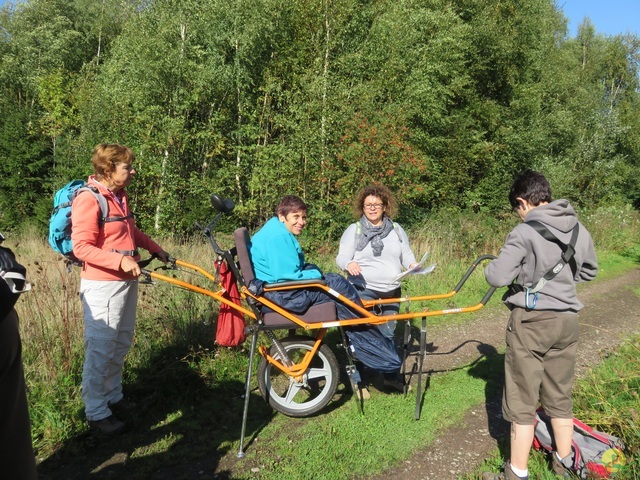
(610, 17)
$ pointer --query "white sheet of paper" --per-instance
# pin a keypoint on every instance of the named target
(418, 269)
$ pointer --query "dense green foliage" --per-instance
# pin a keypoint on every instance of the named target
(442, 100)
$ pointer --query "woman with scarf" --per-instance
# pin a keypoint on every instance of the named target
(374, 250)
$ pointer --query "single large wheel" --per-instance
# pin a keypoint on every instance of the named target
(312, 392)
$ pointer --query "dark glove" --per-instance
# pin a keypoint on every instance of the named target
(256, 287)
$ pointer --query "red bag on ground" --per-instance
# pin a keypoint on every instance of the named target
(230, 326)
(595, 454)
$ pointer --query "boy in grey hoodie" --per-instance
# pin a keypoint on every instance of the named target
(542, 333)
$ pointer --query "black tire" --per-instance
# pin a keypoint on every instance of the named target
(299, 399)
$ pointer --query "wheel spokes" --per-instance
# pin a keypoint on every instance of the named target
(291, 393)
(314, 388)
(317, 372)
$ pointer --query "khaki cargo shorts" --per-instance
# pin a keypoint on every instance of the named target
(539, 364)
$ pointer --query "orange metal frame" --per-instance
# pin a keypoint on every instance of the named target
(296, 371)
(217, 295)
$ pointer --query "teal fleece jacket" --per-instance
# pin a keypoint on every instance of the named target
(276, 255)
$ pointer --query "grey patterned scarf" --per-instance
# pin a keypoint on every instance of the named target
(374, 234)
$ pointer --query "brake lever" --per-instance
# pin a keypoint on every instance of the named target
(170, 265)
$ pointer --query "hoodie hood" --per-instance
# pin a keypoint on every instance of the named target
(558, 215)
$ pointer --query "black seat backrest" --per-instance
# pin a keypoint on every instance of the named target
(241, 237)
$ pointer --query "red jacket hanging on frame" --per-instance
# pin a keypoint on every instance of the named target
(230, 326)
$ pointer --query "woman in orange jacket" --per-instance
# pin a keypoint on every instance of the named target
(109, 286)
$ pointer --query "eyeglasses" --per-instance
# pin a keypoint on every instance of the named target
(374, 206)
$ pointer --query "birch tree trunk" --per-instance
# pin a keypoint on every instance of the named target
(239, 120)
(165, 160)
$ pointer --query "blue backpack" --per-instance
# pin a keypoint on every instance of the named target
(60, 221)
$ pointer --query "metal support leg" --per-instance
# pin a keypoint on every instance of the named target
(353, 374)
(247, 392)
(406, 340)
(423, 347)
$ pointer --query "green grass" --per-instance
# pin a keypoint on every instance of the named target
(385, 434)
(189, 390)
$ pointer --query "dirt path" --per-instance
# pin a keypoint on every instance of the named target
(611, 315)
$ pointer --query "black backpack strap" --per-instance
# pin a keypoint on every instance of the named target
(118, 219)
(568, 252)
(128, 253)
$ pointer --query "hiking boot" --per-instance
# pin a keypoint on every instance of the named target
(122, 406)
(109, 426)
(506, 474)
(559, 467)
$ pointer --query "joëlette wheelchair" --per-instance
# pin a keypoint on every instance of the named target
(298, 374)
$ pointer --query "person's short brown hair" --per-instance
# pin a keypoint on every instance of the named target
(289, 204)
(106, 156)
(376, 190)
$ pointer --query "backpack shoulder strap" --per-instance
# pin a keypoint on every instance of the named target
(568, 252)
(396, 228)
(102, 202)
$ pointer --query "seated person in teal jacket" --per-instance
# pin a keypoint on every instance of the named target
(277, 257)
